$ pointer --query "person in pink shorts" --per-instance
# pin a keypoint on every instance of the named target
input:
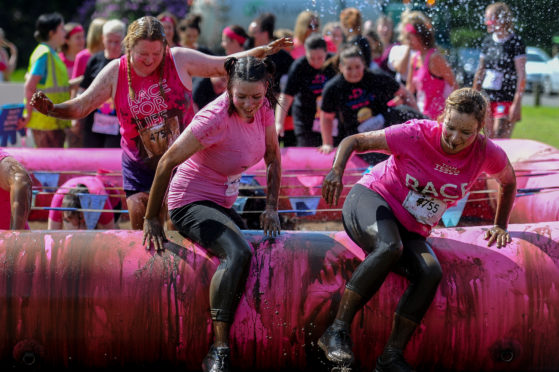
(227, 137)
(390, 212)
(15, 193)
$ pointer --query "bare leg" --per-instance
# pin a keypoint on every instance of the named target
(503, 128)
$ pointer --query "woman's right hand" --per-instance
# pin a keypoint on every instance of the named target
(153, 232)
(332, 187)
(41, 103)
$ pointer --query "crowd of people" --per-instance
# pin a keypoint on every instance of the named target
(192, 122)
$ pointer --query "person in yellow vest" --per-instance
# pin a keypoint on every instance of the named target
(47, 73)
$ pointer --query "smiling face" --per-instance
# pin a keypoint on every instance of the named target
(460, 130)
(316, 58)
(352, 69)
(248, 97)
(146, 56)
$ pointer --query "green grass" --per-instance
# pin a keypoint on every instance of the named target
(540, 124)
(18, 76)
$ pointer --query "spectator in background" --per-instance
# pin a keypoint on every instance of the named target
(430, 76)
(307, 22)
(385, 31)
(233, 39)
(47, 73)
(333, 35)
(101, 128)
(350, 19)
(205, 90)
(15, 193)
(94, 44)
(502, 70)
(305, 81)
(169, 22)
(74, 43)
(377, 49)
(189, 32)
(7, 61)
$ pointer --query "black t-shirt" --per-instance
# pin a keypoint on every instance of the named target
(94, 66)
(202, 91)
(500, 72)
(356, 102)
(283, 61)
(305, 84)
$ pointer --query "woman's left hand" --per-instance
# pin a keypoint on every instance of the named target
(270, 223)
(275, 46)
(499, 235)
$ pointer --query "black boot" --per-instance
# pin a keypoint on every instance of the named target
(336, 343)
(392, 360)
(218, 359)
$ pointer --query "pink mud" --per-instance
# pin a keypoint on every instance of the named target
(98, 299)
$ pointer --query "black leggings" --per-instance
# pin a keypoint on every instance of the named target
(218, 230)
(369, 222)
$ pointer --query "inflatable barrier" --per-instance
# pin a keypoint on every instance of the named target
(95, 299)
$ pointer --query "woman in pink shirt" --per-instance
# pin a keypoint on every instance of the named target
(15, 193)
(151, 87)
(392, 210)
(227, 137)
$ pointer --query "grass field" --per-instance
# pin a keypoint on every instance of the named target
(540, 124)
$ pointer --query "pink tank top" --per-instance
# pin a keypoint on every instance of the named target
(149, 124)
(431, 91)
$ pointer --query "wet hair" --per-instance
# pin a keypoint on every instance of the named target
(314, 42)
(502, 13)
(350, 18)
(145, 28)
(467, 101)
(192, 21)
(94, 39)
(45, 24)
(351, 51)
(250, 69)
(302, 24)
(267, 23)
(72, 199)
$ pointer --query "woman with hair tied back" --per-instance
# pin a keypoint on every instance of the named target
(151, 86)
(390, 212)
(227, 137)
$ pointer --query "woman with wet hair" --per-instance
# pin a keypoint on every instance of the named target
(151, 86)
(502, 70)
(390, 212)
(226, 138)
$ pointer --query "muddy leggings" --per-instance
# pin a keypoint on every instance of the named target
(369, 222)
(218, 230)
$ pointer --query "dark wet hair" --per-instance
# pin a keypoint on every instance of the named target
(267, 23)
(467, 101)
(45, 24)
(72, 199)
(315, 41)
(351, 51)
(250, 69)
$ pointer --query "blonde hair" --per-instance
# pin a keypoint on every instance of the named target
(94, 40)
(302, 23)
(145, 28)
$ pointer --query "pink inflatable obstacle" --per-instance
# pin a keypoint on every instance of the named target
(99, 299)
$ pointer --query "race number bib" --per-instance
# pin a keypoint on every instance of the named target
(105, 124)
(233, 183)
(425, 209)
(493, 80)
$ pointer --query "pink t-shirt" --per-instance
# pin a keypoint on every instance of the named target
(80, 63)
(94, 186)
(418, 163)
(432, 91)
(69, 63)
(5, 206)
(231, 146)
